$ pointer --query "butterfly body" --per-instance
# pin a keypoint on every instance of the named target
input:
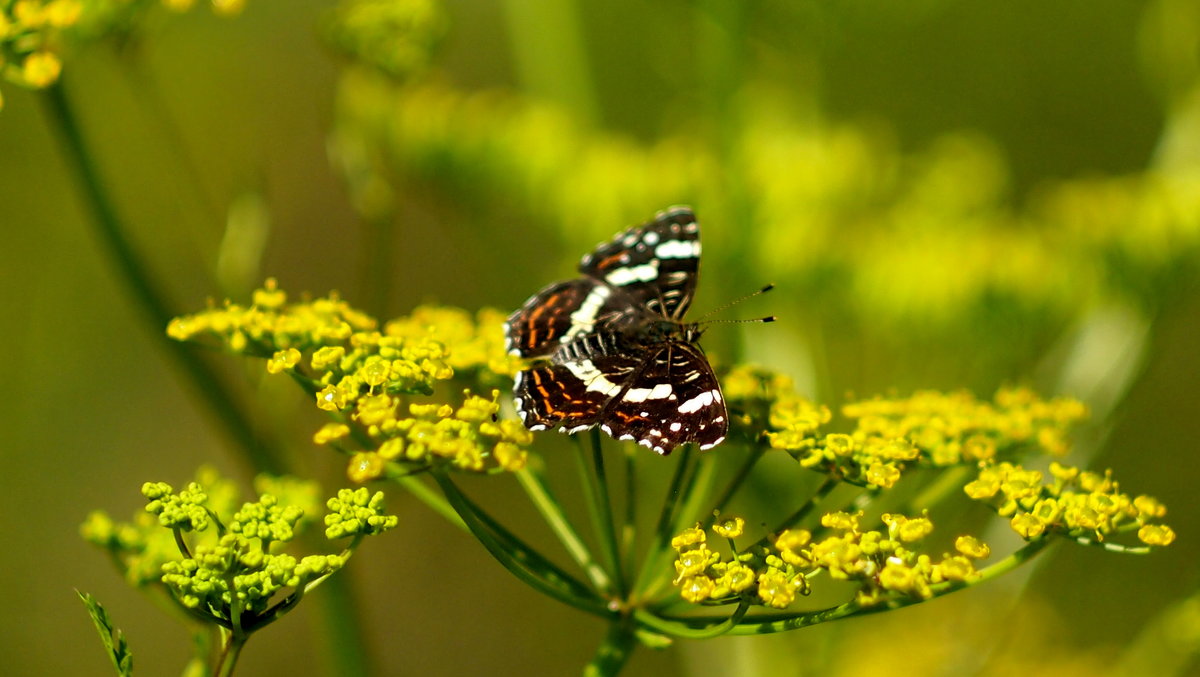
(616, 351)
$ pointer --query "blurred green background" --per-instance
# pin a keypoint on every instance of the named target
(949, 193)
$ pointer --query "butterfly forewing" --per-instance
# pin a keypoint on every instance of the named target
(655, 263)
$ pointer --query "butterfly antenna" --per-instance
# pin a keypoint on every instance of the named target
(764, 290)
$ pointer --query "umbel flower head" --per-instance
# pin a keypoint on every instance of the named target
(369, 379)
(890, 564)
(928, 429)
(887, 564)
(234, 572)
(1072, 502)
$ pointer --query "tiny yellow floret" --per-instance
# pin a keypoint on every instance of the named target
(972, 547)
(41, 69)
(730, 527)
(696, 589)
(331, 432)
(688, 537)
(364, 467)
(1156, 534)
(283, 360)
(1027, 526)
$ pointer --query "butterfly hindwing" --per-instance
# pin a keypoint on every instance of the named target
(673, 399)
(571, 394)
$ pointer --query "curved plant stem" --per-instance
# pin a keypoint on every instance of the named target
(523, 553)
(686, 630)
(259, 454)
(827, 485)
(629, 526)
(424, 494)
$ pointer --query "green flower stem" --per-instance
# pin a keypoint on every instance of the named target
(551, 510)
(662, 531)
(205, 617)
(260, 454)
(150, 97)
(180, 543)
(1112, 547)
(688, 630)
(614, 651)
(532, 572)
(739, 478)
(695, 490)
(529, 557)
(231, 649)
(595, 491)
(279, 609)
(629, 527)
(438, 504)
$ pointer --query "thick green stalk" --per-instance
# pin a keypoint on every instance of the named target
(258, 454)
(231, 649)
(614, 652)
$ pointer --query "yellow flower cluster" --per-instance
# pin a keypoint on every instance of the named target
(470, 436)
(1073, 502)
(476, 344)
(750, 391)
(928, 428)
(885, 563)
(141, 546)
(35, 33)
(31, 36)
(361, 374)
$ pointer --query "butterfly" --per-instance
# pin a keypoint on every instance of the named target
(612, 346)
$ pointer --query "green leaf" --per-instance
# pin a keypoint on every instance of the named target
(113, 639)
